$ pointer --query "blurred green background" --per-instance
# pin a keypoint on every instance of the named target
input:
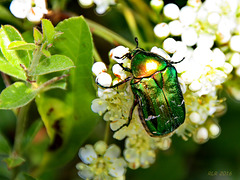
(218, 159)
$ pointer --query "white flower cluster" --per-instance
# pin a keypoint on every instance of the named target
(101, 162)
(101, 5)
(33, 10)
(208, 30)
(116, 104)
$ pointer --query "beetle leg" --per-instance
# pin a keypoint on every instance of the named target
(171, 62)
(125, 68)
(135, 102)
(116, 85)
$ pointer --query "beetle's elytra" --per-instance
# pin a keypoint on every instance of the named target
(156, 91)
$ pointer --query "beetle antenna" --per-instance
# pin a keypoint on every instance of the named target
(136, 40)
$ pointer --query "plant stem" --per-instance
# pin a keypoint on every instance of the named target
(20, 128)
(96, 55)
(36, 57)
(106, 135)
(6, 79)
(108, 35)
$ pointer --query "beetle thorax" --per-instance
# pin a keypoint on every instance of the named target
(145, 65)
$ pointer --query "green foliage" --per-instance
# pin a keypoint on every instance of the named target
(9, 34)
(17, 95)
(42, 67)
(52, 64)
(14, 161)
(4, 146)
(21, 45)
(67, 114)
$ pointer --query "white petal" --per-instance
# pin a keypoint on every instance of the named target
(131, 155)
(187, 15)
(87, 154)
(171, 11)
(35, 14)
(85, 171)
(170, 45)
(189, 37)
(99, 106)
(195, 117)
(118, 71)
(147, 158)
(117, 169)
(112, 153)
(20, 8)
(118, 52)
(235, 43)
(160, 52)
(161, 30)
(98, 67)
(104, 79)
(214, 130)
(86, 2)
(176, 27)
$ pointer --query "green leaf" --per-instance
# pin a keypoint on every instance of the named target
(67, 115)
(37, 36)
(14, 161)
(24, 176)
(52, 64)
(17, 95)
(11, 70)
(31, 133)
(9, 34)
(21, 45)
(4, 146)
(48, 31)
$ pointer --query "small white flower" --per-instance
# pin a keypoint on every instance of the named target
(33, 10)
(119, 72)
(99, 67)
(195, 117)
(87, 154)
(157, 5)
(176, 27)
(213, 18)
(117, 53)
(235, 59)
(195, 85)
(187, 15)
(169, 45)
(104, 79)
(227, 68)
(171, 11)
(194, 3)
(106, 163)
(201, 135)
(86, 3)
(189, 37)
(205, 40)
(235, 43)
(214, 130)
(161, 30)
(99, 106)
(103, 5)
(160, 52)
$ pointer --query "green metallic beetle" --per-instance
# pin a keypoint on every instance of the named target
(156, 91)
